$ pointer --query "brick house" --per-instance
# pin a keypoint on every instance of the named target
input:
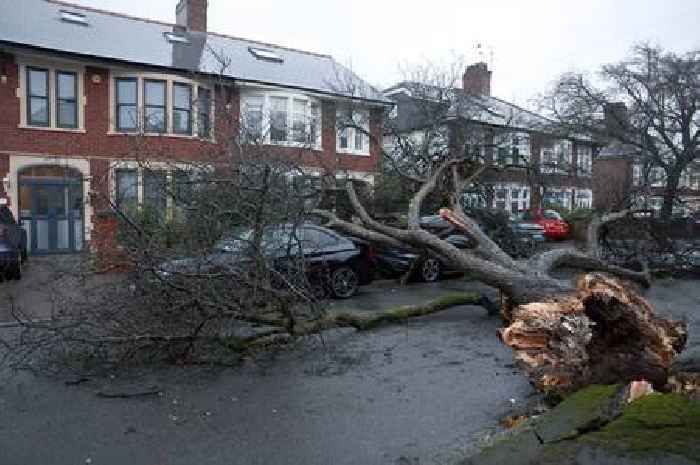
(78, 87)
(528, 166)
(624, 178)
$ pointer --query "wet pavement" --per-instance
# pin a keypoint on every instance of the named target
(424, 392)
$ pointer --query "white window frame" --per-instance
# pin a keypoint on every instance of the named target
(523, 198)
(170, 80)
(267, 96)
(584, 198)
(584, 160)
(140, 168)
(568, 191)
(358, 116)
(53, 67)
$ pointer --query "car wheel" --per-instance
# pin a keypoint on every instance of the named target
(430, 270)
(344, 282)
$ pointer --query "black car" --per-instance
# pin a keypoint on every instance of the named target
(518, 240)
(331, 262)
(392, 262)
(13, 244)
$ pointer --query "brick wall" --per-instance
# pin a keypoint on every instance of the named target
(100, 147)
(612, 181)
(96, 142)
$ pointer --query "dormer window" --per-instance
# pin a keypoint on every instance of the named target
(266, 55)
(73, 17)
(175, 38)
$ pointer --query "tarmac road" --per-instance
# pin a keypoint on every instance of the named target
(419, 393)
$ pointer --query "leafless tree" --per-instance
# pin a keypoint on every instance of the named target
(647, 103)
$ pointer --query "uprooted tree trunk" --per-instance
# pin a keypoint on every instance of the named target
(565, 335)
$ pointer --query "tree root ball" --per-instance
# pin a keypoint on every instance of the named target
(602, 333)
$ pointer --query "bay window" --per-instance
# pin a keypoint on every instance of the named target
(143, 102)
(159, 190)
(343, 138)
(155, 192)
(278, 119)
(182, 108)
(253, 118)
(281, 119)
(38, 97)
(154, 118)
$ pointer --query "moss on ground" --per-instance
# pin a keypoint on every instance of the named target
(594, 426)
(655, 423)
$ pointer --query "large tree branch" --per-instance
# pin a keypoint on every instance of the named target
(427, 187)
(543, 264)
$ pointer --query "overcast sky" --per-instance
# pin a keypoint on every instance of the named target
(531, 41)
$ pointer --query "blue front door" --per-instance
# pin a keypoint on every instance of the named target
(51, 211)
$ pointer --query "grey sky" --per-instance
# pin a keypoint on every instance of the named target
(532, 41)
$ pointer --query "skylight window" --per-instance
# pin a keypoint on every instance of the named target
(264, 54)
(176, 38)
(73, 17)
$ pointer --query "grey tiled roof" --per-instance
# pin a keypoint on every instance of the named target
(480, 108)
(38, 24)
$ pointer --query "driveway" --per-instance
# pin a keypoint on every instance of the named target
(46, 280)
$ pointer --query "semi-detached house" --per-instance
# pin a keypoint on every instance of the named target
(527, 164)
(77, 85)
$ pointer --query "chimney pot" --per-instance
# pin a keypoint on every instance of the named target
(477, 79)
(192, 15)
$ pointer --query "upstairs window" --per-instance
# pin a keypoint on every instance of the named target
(182, 108)
(127, 104)
(154, 106)
(584, 160)
(66, 100)
(204, 112)
(281, 119)
(38, 97)
(353, 128)
(278, 119)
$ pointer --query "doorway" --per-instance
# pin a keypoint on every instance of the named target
(51, 209)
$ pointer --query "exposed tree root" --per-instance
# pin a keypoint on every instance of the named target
(602, 333)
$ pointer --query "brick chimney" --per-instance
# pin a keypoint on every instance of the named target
(616, 117)
(192, 15)
(477, 79)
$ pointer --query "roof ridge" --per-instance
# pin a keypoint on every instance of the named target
(163, 23)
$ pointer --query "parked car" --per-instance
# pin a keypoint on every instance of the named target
(531, 234)
(393, 262)
(331, 262)
(555, 228)
(13, 244)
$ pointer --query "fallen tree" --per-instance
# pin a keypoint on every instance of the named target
(566, 333)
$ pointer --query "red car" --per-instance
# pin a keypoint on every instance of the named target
(554, 226)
